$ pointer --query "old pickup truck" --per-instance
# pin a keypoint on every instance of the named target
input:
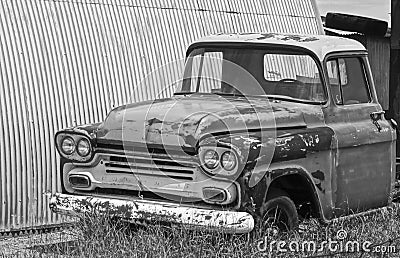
(263, 130)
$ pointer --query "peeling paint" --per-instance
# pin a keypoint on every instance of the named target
(133, 210)
(283, 37)
(186, 120)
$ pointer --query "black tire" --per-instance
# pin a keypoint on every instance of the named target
(279, 213)
(364, 25)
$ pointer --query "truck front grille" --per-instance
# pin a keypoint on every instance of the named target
(160, 166)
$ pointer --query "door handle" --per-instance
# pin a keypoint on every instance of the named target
(375, 117)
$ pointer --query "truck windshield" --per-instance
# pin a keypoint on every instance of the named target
(253, 72)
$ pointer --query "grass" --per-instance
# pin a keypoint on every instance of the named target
(100, 236)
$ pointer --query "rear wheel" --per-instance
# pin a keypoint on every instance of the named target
(278, 214)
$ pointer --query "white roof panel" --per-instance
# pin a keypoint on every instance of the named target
(321, 45)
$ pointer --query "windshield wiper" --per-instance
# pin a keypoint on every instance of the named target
(287, 98)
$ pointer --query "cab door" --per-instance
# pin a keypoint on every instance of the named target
(363, 149)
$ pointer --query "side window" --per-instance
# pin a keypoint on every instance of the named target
(348, 81)
(356, 90)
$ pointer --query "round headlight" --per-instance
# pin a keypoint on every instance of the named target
(228, 161)
(83, 147)
(68, 145)
(211, 159)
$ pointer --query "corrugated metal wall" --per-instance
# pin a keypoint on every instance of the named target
(68, 62)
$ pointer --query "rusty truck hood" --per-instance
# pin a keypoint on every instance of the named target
(184, 120)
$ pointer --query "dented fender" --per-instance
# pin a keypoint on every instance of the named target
(254, 197)
(297, 151)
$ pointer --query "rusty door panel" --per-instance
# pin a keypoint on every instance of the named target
(360, 154)
(363, 174)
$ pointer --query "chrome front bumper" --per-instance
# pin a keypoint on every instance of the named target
(137, 210)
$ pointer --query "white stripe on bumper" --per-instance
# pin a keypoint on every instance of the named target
(133, 210)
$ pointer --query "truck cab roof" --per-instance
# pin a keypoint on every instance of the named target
(321, 45)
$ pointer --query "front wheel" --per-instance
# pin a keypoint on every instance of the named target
(279, 213)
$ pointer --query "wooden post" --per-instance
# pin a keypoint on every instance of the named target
(394, 89)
